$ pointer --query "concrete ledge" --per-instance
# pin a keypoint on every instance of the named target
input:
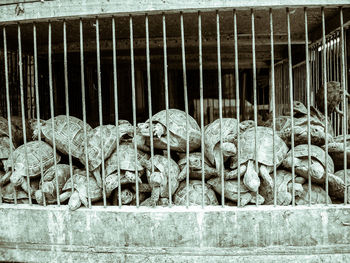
(230, 234)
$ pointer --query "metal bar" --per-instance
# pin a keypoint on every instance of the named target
(273, 107)
(67, 101)
(345, 102)
(201, 95)
(167, 104)
(116, 110)
(36, 79)
(20, 64)
(82, 79)
(308, 100)
(237, 97)
(149, 90)
(8, 105)
(220, 107)
(134, 104)
(325, 96)
(186, 110)
(52, 112)
(291, 100)
(99, 90)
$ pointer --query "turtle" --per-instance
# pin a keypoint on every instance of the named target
(195, 189)
(176, 129)
(16, 130)
(128, 197)
(195, 167)
(9, 191)
(127, 163)
(80, 193)
(231, 191)
(337, 185)
(318, 196)
(37, 152)
(284, 188)
(264, 157)
(299, 109)
(5, 147)
(336, 151)
(318, 160)
(228, 134)
(159, 179)
(334, 97)
(74, 136)
(108, 135)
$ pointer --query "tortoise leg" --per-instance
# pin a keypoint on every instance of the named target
(217, 159)
(245, 199)
(182, 174)
(65, 196)
(228, 149)
(159, 130)
(264, 173)
(74, 201)
(155, 195)
(251, 178)
(228, 175)
(98, 177)
(5, 179)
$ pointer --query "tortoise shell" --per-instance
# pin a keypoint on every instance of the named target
(195, 165)
(336, 151)
(195, 194)
(5, 147)
(318, 196)
(334, 96)
(212, 135)
(264, 146)
(126, 159)
(49, 179)
(177, 128)
(8, 193)
(75, 134)
(35, 151)
(161, 164)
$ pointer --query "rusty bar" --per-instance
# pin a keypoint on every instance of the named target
(83, 99)
(273, 107)
(36, 79)
(345, 101)
(52, 111)
(67, 100)
(325, 95)
(8, 105)
(290, 71)
(186, 110)
(116, 111)
(134, 104)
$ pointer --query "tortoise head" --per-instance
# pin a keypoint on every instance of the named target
(35, 127)
(17, 176)
(157, 179)
(48, 187)
(143, 128)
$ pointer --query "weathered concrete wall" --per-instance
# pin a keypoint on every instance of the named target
(262, 234)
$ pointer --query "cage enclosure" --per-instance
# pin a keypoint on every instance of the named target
(168, 131)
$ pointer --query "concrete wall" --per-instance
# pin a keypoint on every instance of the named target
(130, 234)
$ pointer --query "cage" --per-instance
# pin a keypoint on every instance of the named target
(112, 62)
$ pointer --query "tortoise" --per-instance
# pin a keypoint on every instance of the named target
(64, 136)
(128, 197)
(318, 196)
(299, 109)
(8, 192)
(80, 193)
(284, 188)
(195, 167)
(158, 180)
(176, 129)
(16, 129)
(264, 157)
(337, 185)
(318, 160)
(36, 150)
(334, 97)
(231, 191)
(5, 147)
(228, 134)
(336, 151)
(108, 133)
(195, 194)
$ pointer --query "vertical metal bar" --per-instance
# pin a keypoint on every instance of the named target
(20, 64)
(220, 106)
(67, 101)
(134, 104)
(345, 101)
(116, 110)
(52, 112)
(337, 59)
(82, 79)
(99, 90)
(149, 90)
(8, 104)
(308, 99)
(186, 110)
(290, 71)
(36, 79)
(201, 95)
(167, 104)
(273, 107)
(325, 96)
